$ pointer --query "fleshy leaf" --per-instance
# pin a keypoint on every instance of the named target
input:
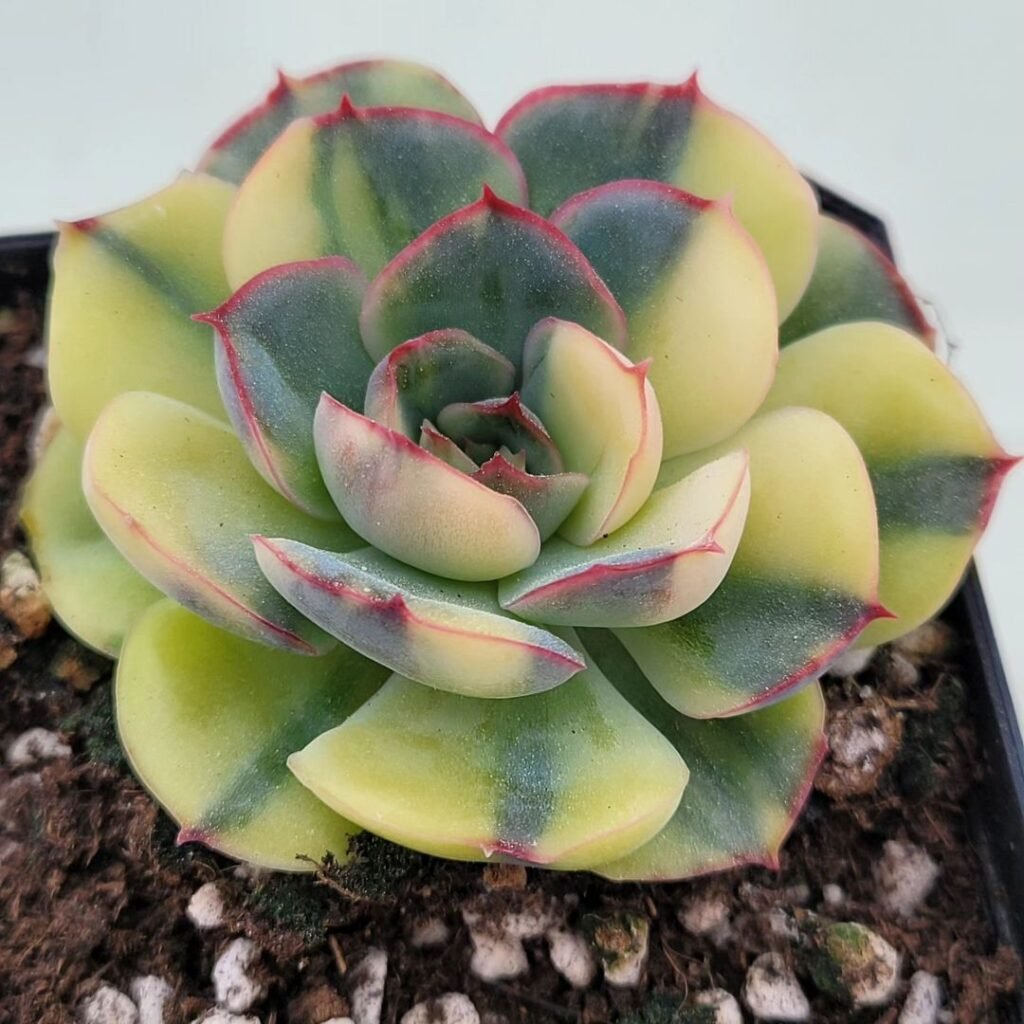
(494, 270)
(853, 280)
(603, 415)
(95, 593)
(803, 582)
(548, 499)
(414, 507)
(444, 448)
(416, 380)
(360, 183)
(663, 563)
(174, 491)
(283, 338)
(934, 464)
(568, 778)
(503, 422)
(572, 138)
(749, 776)
(208, 720)
(698, 297)
(370, 83)
(125, 286)
(452, 636)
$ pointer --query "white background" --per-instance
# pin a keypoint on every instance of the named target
(912, 106)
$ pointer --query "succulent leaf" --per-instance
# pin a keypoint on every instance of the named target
(663, 563)
(803, 582)
(416, 380)
(208, 720)
(494, 270)
(125, 285)
(935, 467)
(95, 593)
(452, 636)
(360, 183)
(698, 297)
(749, 776)
(283, 338)
(444, 448)
(415, 507)
(370, 83)
(603, 415)
(572, 138)
(853, 280)
(568, 778)
(174, 491)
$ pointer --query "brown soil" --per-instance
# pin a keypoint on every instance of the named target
(93, 889)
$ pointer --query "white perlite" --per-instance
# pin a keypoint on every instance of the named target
(366, 987)
(219, 1016)
(924, 1000)
(108, 1005)
(727, 1010)
(622, 946)
(832, 895)
(150, 994)
(35, 745)
(234, 987)
(498, 952)
(22, 598)
(852, 661)
(905, 876)
(206, 907)
(571, 957)
(771, 991)
(868, 967)
(451, 1008)
(707, 916)
(430, 933)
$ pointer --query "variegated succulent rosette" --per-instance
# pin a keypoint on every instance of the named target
(452, 485)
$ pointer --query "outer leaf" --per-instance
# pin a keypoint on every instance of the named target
(602, 413)
(125, 285)
(208, 719)
(567, 778)
(803, 583)
(663, 563)
(283, 338)
(934, 464)
(749, 777)
(495, 270)
(853, 280)
(571, 138)
(548, 499)
(95, 593)
(413, 506)
(416, 380)
(452, 636)
(360, 183)
(173, 490)
(370, 83)
(698, 297)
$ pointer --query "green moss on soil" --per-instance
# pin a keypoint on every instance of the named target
(93, 724)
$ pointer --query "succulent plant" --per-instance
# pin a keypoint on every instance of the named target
(452, 484)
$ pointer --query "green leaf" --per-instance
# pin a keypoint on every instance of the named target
(208, 720)
(362, 184)
(603, 415)
(173, 490)
(416, 380)
(698, 297)
(934, 464)
(572, 138)
(124, 288)
(494, 270)
(283, 338)
(853, 280)
(452, 636)
(568, 778)
(369, 83)
(749, 776)
(444, 448)
(803, 582)
(95, 593)
(416, 508)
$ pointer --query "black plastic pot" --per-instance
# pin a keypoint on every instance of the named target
(997, 801)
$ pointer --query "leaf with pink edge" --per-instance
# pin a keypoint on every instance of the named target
(444, 448)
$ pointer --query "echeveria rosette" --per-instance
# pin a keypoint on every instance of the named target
(490, 516)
